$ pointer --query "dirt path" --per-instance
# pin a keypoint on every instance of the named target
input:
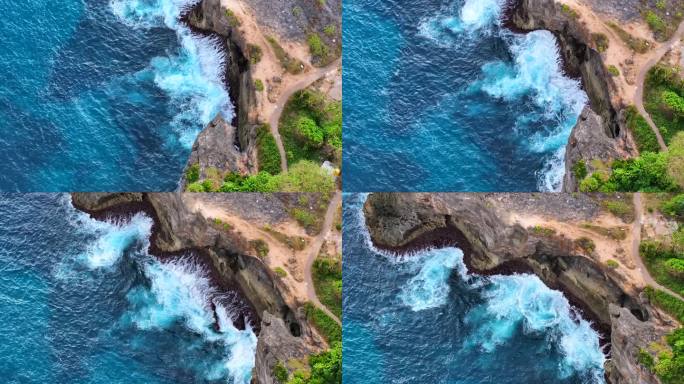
(314, 250)
(636, 241)
(656, 56)
(303, 83)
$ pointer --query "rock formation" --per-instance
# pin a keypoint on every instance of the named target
(284, 333)
(399, 220)
(582, 60)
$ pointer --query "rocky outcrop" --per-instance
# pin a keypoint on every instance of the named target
(177, 230)
(589, 142)
(495, 246)
(603, 118)
(209, 17)
(215, 149)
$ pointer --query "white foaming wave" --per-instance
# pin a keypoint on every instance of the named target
(537, 73)
(114, 238)
(193, 79)
(524, 300)
(181, 291)
(475, 16)
(430, 287)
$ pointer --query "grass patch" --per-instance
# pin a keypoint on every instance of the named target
(192, 175)
(233, 19)
(295, 243)
(267, 151)
(259, 85)
(613, 70)
(620, 208)
(615, 233)
(666, 302)
(280, 272)
(329, 329)
(222, 225)
(543, 231)
(260, 247)
(254, 54)
(569, 11)
(612, 264)
(664, 100)
(280, 373)
(660, 259)
(289, 63)
(636, 44)
(645, 139)
(327, 278)
(579, 169)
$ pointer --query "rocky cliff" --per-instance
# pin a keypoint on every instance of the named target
(398, 221)
(284, 333)
(581, 59)
(209, 18)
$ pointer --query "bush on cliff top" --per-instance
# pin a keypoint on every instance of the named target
(267, 151)
(645, 139)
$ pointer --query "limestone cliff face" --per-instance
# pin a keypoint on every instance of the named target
(602, 123)
(239, 140)
(284, 333)
(398, 220)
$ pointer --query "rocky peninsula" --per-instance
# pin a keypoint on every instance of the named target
(190, 224)
(573, 243)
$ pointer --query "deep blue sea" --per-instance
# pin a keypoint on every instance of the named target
(438, 96)
(103, 95)
(425, 319)
(81, 301)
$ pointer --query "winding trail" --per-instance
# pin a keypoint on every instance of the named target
(636, 241)
(315, 249)
(303, 83)
(641, 78)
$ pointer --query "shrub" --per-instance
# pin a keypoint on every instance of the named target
(620, 208)
(254, 53)
(267, 151)
(317, 47)
(330, 330)
(305, 176)
(192, 175)
(674, 207)
(260, 246)
(280, 373)
(646, 173)
(280, 271)
(675, 159)
(569, 11)
(304, 217)
(601, 41)
(643, 134)
(674, 102)
(543, 231)
(636, 44)
(667, 302)
(195, 187)
(579, 169)
(290, 64)
(655, 22)
(330, 30)
(309, 133)
(612, 264)
(644, 358)
(613, 70)
(675, 267)
(586, 244)
(259, 85)
(233, 19)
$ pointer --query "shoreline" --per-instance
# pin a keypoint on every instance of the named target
(242, 315)
(450, 236)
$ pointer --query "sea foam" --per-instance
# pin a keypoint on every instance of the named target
(191, 78)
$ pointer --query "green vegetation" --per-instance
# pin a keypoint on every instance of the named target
(635, 44)
(329, 329)
(327, 277)
(280, 272)
(664, 100)
(259, 85)
(620, 208)
(615, 233)
(305, 218)
(664, 263)
(295, 243)
(330, 30)
(304, 176)
(586, 244)
(254, 53)
(325, 368)
(569, 11)
(612, 264)
(280, 373)
(260, 246)
(192, 175)
(267, 151)
(643, 135)
(656, 24)
(311, 128)
(674, 207)
(543, 231)
(667, 302)
(613, 70)
(601, 41)
(289, 63)
(233, 19)
(647, 173)
(579, 169)
(320, 52)
(225, 226)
